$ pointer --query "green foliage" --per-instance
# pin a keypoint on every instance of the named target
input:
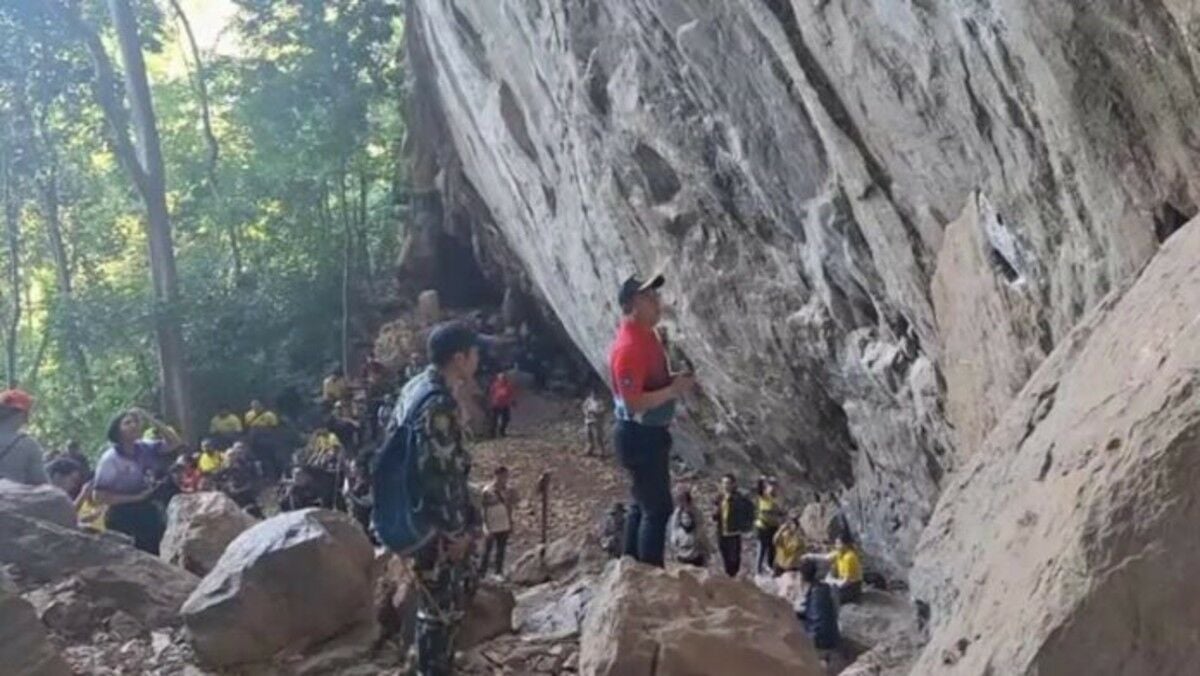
(306, 111)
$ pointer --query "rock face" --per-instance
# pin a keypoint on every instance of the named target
(24, 646)
(46, 503)
(489, 615)
(1065, 545)
(199, 527)
(288, 582)
(796, 164)
(76, 567)
(643, 620)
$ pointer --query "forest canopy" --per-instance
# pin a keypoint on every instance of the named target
(279, 127)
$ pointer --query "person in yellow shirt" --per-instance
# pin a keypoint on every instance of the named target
(225, 427)
(259, 417)
(767, 516)
(845, 575)
(789, 545)
(211, 459)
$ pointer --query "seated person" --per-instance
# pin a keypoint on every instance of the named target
(820, 614)
(66, 475)
(239, 479)
(185, 473)
(211, 459)
(789, 545)
(845, 574)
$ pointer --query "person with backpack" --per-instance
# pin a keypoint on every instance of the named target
(767, 516)
(21, 457)
(689, 542)
(735, 517)
(423, 507)
(498, 503)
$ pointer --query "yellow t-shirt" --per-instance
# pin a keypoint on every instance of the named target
(846, 566)
(765, 514)
(264, 419)
(91, 514)
(210, 462)
(225, 424)
(789, 548)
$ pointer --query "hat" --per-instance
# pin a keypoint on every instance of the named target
(449, 338)
(632, 286)
(16, 399)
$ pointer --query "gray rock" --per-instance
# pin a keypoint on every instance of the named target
(291, 581)
(24, 646)
(44, 502)
(553, 609)
(795, 164)
(489, 615)
(108, 575)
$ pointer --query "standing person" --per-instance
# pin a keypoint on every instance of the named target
(502, 396)
(260, 417)
(121, 477)
(263, 436)
(442, 567)
(688, 539)
(767, 516)
(820, 614)
(21, 457)
(498, 503)
(645, 394)
(734, 516)
(225, 427)
(593, 412)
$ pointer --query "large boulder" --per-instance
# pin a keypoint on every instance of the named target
(24, 646)
(553, 608)
(644, 620)
(288, 582)
(199, 527)
(107, 574)
(490, 614)
(1063, 546)
(43, 502)
(562, 558)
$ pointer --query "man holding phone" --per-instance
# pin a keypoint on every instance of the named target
(645, 393)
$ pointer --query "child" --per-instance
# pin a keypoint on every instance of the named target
(498, 503)
(688, 540)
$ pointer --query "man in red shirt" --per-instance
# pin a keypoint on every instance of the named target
(644, 393)
(502, 396)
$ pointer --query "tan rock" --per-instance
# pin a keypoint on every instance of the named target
(199, 527)
(429, 307)
(644, 620)
(288, 582)
(1064, 546)
(992, 337)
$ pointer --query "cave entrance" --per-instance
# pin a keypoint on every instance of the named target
(459, 281)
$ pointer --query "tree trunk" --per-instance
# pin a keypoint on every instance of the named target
(62, 270)
(14, 276)
(152, 186)
(347, 249)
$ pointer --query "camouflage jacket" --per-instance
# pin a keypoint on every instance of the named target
(444, 464)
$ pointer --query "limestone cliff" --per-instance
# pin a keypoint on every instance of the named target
(796, 165)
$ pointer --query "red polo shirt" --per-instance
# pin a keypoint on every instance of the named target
(638, 363)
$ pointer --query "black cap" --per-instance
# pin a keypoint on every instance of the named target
(632, 286)
(448, 339)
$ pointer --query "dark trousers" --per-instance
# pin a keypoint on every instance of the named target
(139, 520)
(500, 419)
(443, 590)
(497, 542)
(731, 553)
(645, 454)
(766, 549)
(850, 593)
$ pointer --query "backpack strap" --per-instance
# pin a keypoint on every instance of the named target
(12, 444)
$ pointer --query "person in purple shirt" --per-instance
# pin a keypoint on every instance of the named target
(123, 477)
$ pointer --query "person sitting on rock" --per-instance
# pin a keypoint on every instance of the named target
(66, 476)
(820, 613)
(845, 574)
(498, 500)
(689, 542)
(734, 517)
(789, 545)
(768, 514)
(211, 459)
